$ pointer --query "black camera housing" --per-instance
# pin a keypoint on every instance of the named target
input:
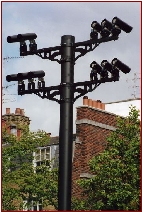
(21, 37)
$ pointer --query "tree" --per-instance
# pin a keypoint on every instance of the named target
(115, 184)
(21, 181)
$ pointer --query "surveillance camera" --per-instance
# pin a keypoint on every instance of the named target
(21, 37)
(121, 66)
(122, 25)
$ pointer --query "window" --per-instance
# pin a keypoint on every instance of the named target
(13, 129)
(45, 154)
(41, 156)
(35, 206)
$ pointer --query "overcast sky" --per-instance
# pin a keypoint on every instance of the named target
(50, 21)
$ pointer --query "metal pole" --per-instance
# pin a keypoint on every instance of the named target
(66, 122)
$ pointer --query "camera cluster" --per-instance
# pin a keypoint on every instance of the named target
(106, 28)
(30, 76)
(106, 72)
(100, 73)
(22, 39)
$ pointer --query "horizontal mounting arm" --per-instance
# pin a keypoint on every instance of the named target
(96, 41)
(85, 51)
(43, 92)
(52, 52)
(47, 95)
(89, 45)
(80, 87)
(85, 90)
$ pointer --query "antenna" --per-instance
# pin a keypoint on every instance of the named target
(135, 85)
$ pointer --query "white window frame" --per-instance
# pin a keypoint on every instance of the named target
(13, 130)
(35, 161)
(25, 208)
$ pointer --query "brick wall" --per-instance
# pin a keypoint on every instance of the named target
(93, 125)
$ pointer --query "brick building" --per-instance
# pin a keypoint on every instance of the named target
(93, 125)
(13, 121)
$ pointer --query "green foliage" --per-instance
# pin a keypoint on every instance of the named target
(20, 180)
(115, 184)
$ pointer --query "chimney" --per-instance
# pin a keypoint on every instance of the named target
(90, 102)
(94, 103)
(85, 100)
(103, 106)
(22, 112)
(99, 104)
(17, 111)
(7, 111)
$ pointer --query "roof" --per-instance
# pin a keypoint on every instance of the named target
(121, 108)
(55, 140)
